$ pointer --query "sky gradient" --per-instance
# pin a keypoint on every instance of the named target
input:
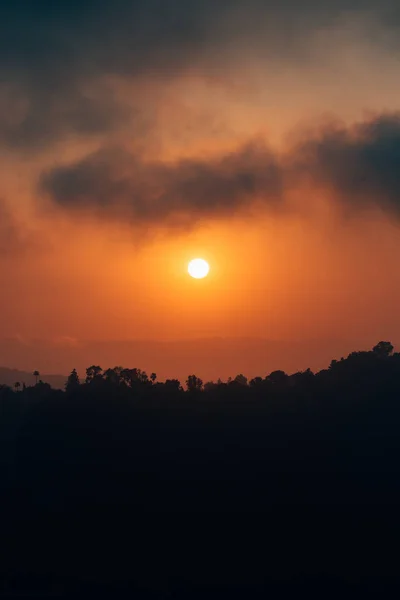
(135, 136)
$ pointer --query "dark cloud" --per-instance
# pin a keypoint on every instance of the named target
(33, 118)
(50, 51)
(361, 164)
(119, 183)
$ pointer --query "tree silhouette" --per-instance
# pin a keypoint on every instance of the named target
(173, 385)
(383, 349)
(133, 377)
(36, 374)
(73, 382)
(114, 375)
(240, 379)
(209, 386)
(43, 388)
(194, 384)
(277, 377)
(93, 373)
(17, 385)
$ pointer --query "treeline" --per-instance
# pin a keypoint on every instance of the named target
(360, 366)
(120, 445)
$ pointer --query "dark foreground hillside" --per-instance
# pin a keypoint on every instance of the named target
(287, 484)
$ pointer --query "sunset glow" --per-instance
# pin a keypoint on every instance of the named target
(279, 167)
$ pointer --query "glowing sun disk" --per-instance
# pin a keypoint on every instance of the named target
(198, 268)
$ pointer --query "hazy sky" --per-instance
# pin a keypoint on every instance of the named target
(262, 136)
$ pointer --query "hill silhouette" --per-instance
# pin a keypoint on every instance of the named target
(122, 483)
(10, 376)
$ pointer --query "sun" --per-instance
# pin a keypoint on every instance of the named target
(198, 268)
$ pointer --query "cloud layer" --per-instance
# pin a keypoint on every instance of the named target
(55, 58)
(74, 70)
(121, 184)
(360, 164)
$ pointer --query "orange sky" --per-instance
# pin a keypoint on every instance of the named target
(313, 266)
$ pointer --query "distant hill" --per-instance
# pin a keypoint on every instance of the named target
(10, 376)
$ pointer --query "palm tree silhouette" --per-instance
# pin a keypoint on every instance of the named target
(36, 374)
(17, 385)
